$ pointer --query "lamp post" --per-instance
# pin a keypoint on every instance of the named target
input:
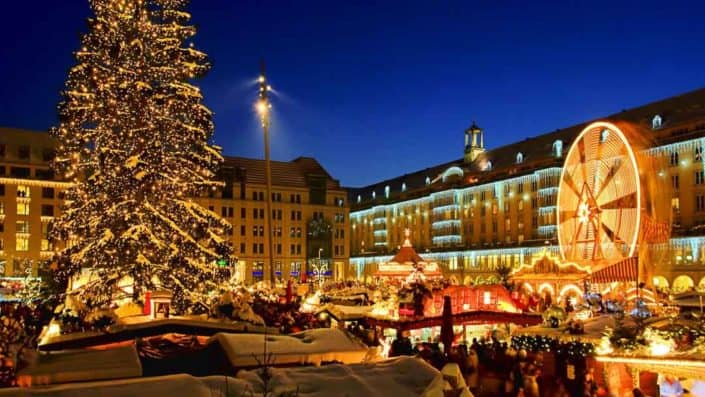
(263, 108)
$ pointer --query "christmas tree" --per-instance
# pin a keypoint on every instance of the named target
(133, 137)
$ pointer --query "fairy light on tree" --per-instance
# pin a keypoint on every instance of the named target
(133, 137)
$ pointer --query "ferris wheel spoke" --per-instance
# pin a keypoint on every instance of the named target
(583, 159)
(614, 169)
(626, 201)
(570, 183)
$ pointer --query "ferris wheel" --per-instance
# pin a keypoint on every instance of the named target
(599, 197)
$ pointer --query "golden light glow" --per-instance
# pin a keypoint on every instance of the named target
(650, 361)
(594, 159)
(262, 108)
(570, 287)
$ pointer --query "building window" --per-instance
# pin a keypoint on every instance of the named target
(699, 153)
(558, 148)
(488, 166)
(2, 150)
(47, 155)
(23, 152)
(242, 248)
(359, 199)
(292, 249)
(2, 190)
(674, 181)
(386, 191)
(243, 213)
(47, 210)
(23, 191)
(674, 158)
(428, 180)
(699, 177)
(21, 243)
(374, 195)
(254, 231)
(22, 227)
(242, 230)
(403, 186)
(656, 122)
(700, 203)
(520, 158)
(47, 192)
(604, 135)
(676, 205)
(22, 208)
(520, 205)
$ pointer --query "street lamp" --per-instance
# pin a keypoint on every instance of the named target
(263, 107)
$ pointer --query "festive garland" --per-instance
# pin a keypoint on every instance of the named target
(540, 343)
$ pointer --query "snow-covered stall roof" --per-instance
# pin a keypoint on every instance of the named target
(346, 313)
(308, 347)
(82, 365)
(144, 326)
(402, 376)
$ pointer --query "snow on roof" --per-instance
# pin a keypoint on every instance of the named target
(308, 347)
(82, 365)
(344, 312)
(162, 386)
(402, 376)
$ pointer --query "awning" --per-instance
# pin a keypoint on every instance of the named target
(624, 270)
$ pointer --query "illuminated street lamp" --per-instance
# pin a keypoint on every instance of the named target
(263, 107)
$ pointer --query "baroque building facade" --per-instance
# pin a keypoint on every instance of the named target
(496, 209)
(309, 212)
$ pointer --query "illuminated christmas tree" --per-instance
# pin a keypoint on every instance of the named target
(133, 137)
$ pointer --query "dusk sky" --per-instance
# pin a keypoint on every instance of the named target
(376, 89)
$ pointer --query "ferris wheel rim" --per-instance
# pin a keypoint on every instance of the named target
(632, 158)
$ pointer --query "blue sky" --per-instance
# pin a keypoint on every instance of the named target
(376, 89)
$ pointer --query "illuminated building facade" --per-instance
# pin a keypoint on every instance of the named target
(30, 197)
(309, 211)
(497, 208)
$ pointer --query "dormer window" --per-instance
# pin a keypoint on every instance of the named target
(488, 166)
(386, 191)
(604, 135)
(656, 122)
(403, 186)
(428, 180)
(359, 198)
(558, 148)
(374, 195)
(520, 158)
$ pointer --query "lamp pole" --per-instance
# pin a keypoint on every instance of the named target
(264, 107)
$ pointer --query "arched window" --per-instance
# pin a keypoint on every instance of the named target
(359, 198)
(428, 180)
(386, 191)
(558, 148)
(488, 166)
(656, 122)
(374, 195)
(604, 135)
(520, 158)
(403, 186)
